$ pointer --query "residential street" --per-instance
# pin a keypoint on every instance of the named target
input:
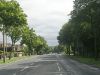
(52, 64)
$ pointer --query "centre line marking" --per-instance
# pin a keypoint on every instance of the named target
(58, 67)
(24, 68)
(14, 74)
(32, 64)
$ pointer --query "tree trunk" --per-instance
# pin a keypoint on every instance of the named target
(4, 57)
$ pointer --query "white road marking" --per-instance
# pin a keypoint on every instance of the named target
(24, 68)
(58, 67)
(57, 64)
(35, 66)
(14, 74)
(90, 67)
(32, 64)
(28, 67)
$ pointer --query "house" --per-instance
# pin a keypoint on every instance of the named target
(18, 50)
(8, 48)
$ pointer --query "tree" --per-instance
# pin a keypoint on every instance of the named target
(41, 45)
(12, 15)
(34, 43)
(28, 38)
(82, 32)
(58, 49)
(15, 34)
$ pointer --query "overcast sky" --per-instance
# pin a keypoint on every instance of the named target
(46, 17)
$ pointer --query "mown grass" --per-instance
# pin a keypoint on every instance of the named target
(86, 60)
(14, 59)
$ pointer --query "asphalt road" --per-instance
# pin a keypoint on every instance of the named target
(53, 64)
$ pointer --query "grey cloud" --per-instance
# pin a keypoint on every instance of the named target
(47, 16)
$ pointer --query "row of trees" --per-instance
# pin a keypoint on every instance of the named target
(13, 23)
(58, 49)
(35, 44)
(11, 15)
(81, 35)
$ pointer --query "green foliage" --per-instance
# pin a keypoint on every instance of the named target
(58, 49)
(34, 43)
(1, 51)
(28, 38)
(89, 61)
(82, 32)
(11, 13)
(15, 33)
(14, 23)
(40, 45)
(25, 50)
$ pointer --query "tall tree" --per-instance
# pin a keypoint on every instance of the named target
(12, 15)
(83, 28)
(15, 34)
(28, 38)
(41, 45)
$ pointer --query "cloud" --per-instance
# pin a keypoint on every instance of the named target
(47, 16)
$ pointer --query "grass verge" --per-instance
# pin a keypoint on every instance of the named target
(89, 61)
(14, 59)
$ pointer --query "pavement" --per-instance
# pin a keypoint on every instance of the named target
(51, 64)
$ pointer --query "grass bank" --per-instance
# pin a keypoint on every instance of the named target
(89, 61)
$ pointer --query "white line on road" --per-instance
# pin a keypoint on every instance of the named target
(35, 66)
(32, 64)
(28, 67)
(24, 68)
(58, 67)
(14, 74)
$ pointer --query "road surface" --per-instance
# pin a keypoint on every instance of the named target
(53, 64)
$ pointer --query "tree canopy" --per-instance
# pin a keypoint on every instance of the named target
(11, 13)
(82, 32)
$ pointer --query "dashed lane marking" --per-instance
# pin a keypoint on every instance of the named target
(58, 67)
